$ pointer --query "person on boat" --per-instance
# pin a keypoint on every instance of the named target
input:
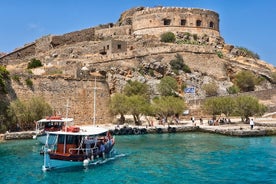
(102, 147)
(88, 143)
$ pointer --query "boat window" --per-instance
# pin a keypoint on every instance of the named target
(61, 139)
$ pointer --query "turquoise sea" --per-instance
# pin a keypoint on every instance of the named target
(153, 158)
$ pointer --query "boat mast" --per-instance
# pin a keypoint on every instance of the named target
(94, 103)
(67, 107)
(94, 107)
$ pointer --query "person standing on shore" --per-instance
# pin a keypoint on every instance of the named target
(251, 123)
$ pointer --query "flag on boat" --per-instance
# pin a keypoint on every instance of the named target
(189, 90)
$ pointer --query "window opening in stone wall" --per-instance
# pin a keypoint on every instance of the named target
(167, 22)
(107, 47)
(211, 25)
(198, 23)
(183, 22)
(119, 46)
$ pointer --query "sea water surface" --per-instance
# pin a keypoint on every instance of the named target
(153, 158)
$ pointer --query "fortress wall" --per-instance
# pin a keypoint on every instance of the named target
(79, 93)
(160, 30)
(110, 32)
(16, 56)
(153, 19)
(74, 37)
(43, 44)
(156, 50)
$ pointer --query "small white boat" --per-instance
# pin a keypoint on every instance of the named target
(77, 146)
(50, 123)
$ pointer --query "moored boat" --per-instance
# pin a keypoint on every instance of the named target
(50, 123)
(77, 146)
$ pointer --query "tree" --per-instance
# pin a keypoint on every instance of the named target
(212, 106)
(247, 106)
(137, 105)
(246, 81)
(118, 105)
(136, 88)
(219, 105)
(4, 75)
(166, 106)
(24, 113)
(167, 86)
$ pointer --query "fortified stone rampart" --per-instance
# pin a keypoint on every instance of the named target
(74, 37)
(113, 31)
(15, 56)
(79, 94)
(136, 21)
(162, 19)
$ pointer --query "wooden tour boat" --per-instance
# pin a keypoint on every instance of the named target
(77, 145)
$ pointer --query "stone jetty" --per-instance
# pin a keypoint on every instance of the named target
(263, 127)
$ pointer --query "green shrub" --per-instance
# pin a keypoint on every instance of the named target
(4, 75)
(247, 53)
(233, 89)
(246, 81)
(219, 53)
(178, 64)
(29, 83)
(211, 89)
(16, 78)
(168, 37)
(34, 63)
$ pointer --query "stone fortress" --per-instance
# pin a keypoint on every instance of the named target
(136, 21)
(116, 52)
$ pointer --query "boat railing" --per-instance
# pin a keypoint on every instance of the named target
(48, 147)
(83, 150)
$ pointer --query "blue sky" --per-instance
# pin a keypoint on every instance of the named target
(246, 23)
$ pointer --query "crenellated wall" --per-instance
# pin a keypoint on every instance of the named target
(163, 19)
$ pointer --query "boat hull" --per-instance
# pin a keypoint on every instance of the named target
(79, 157)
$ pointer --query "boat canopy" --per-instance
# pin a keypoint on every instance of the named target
(85, 131)
(55, 120)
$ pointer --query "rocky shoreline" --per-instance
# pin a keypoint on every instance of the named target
(263, 127)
